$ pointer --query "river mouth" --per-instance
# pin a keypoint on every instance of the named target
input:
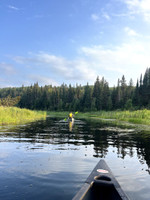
(51, 159)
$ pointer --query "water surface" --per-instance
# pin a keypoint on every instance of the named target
(49, 159)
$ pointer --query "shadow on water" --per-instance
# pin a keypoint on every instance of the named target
(50, 152)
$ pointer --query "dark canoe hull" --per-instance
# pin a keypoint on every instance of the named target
(101, 185)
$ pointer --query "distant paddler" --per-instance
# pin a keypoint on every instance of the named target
(71, 117)
(71, 121)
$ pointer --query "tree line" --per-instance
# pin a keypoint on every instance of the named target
(9, 101)
(82, 98)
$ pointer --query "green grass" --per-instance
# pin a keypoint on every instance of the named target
(61, 114)
(14, 115)
(135, 117)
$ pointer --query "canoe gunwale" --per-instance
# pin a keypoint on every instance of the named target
(89, 183)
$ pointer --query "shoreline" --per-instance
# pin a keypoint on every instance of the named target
(15, 115)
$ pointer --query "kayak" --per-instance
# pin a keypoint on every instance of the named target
(70, 119)
(70, 122)
(101, 185)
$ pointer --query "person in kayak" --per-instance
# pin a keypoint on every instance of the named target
(71, 121)
(70, 116)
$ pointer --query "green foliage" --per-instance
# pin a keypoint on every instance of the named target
(9, 101)
(128, 105)
(87, 98)
(14, 115)
(141, 97)
(136, 117)
(83, 98)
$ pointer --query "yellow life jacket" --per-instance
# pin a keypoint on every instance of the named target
(70, 115)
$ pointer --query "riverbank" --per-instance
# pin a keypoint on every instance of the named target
(14, 115)
(134, 117)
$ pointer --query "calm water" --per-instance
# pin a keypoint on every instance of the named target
(50, 160)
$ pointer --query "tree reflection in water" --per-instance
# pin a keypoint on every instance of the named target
(56, 131)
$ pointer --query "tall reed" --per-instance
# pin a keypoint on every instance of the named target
(14, 115)
(137, 117)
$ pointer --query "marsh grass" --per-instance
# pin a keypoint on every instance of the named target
(136, 117)
(61, 114)
(14, 115)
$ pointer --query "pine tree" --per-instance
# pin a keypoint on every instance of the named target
(114, 98)
(118, 95)
(141, 81)
(87, 98)
(129, 92)
(97, 94)
(106, 101)
(123, 91)
(145, 89)
(136, 96)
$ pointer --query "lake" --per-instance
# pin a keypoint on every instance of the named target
(51, 159)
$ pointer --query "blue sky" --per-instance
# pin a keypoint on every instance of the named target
(73, 41)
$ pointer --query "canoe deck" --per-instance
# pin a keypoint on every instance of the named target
(101, 185)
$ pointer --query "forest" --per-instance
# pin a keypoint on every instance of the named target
(124, 96)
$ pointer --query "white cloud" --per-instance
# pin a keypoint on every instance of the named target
(13, 7)
(131, 32)
(106, 16)
(7, 69)
(42, 80)
(103, 59)
(77, 69)
(130, 59)
(139, 7)
(140, 4)
(95, 17)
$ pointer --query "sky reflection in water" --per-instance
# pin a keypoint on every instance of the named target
(44, 160)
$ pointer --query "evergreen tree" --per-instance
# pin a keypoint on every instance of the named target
(114, 98)
(130, 91)
(97, 94)
(141, 81)
(136, 95)
(87, 98)
(145, 89)
(123, 91)
(118, 95)
(106, 101)
(81, 98)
